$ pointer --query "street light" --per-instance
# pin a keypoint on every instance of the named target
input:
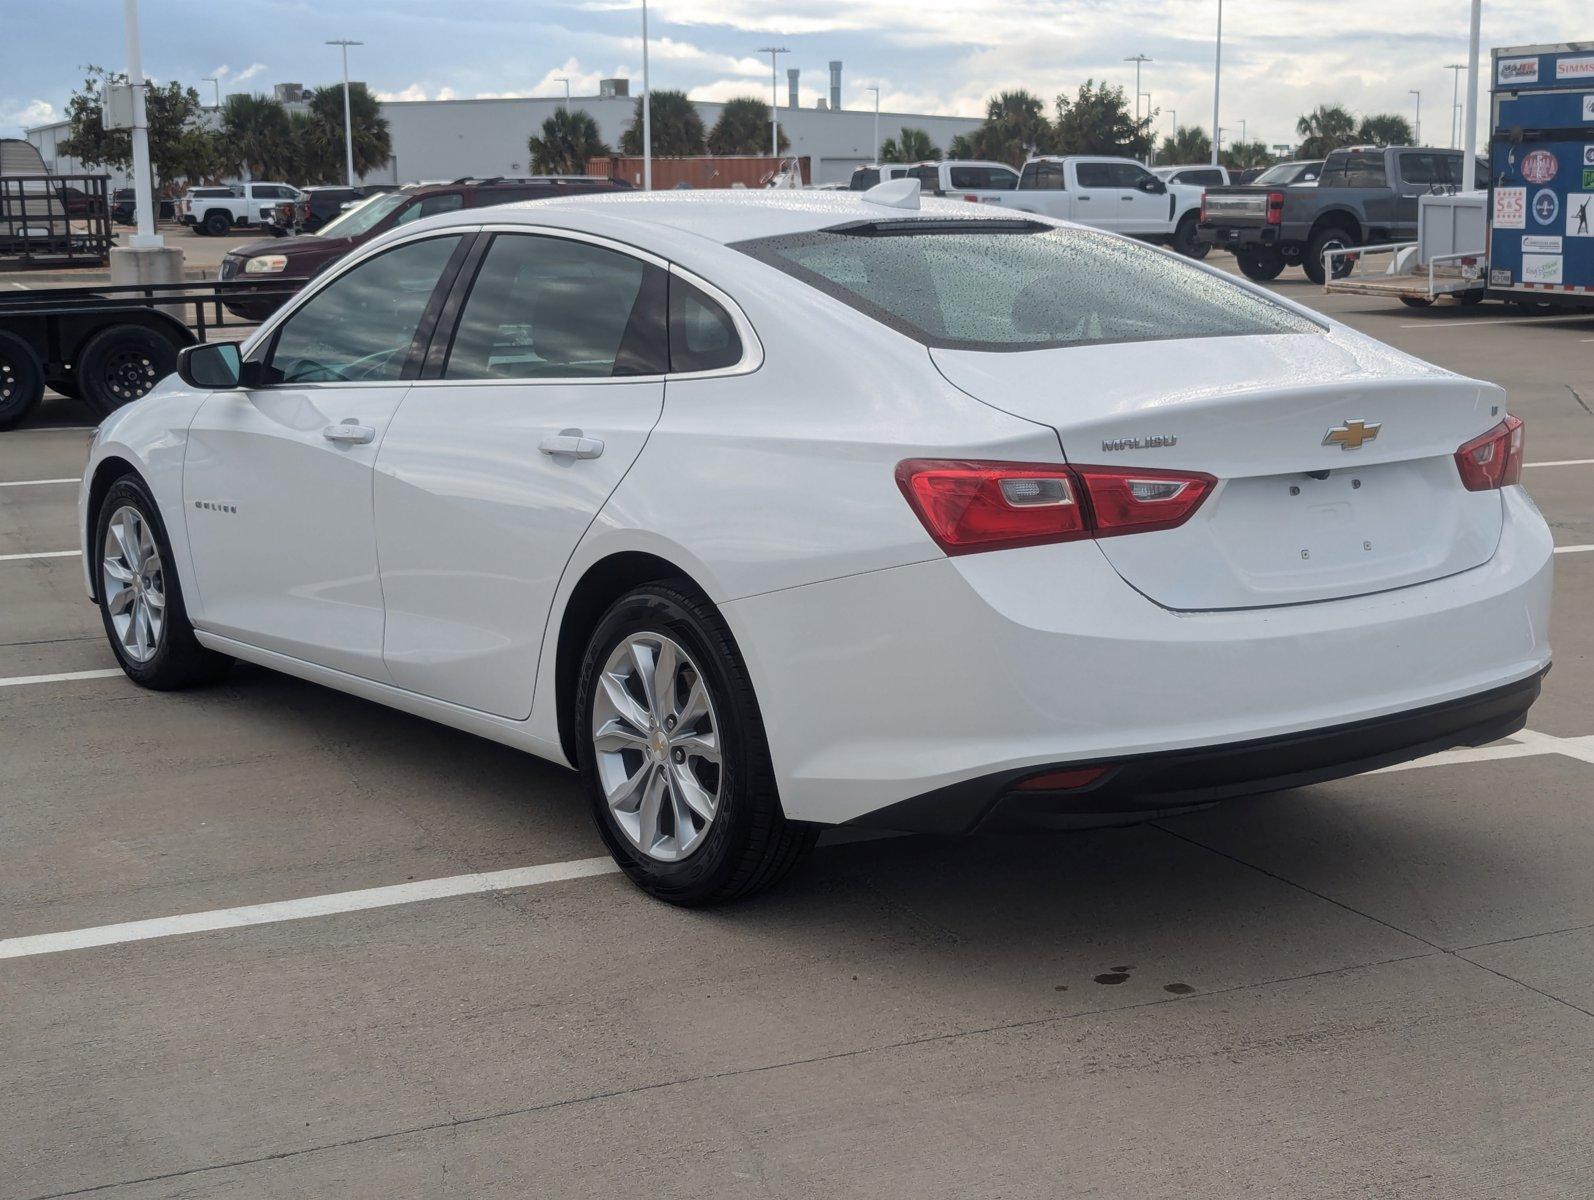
(217, 82)
(1455, 70)
(647, 109)
(562, 79)
(1217, 80)
(875, 157)
(1137, 59)
(348, 121)
(1469, 156)
(774, 97)
(1416, 134)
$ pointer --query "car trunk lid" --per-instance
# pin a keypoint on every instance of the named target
(1301, 512)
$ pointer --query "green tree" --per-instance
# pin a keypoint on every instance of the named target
(1189, 144)
(1327, 127)
(1385, 129)
(170, 109)
(1241, 156)
(1098, 120)
(743, 128)
(911, 145)
(257, 138)
(1015, 127)
(568, 139)
(961, 146)
(676, 125)
(373, 141)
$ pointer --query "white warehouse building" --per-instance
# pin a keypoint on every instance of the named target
(451, 139)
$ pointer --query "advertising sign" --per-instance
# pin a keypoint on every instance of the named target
(1539, 166)
(1510, 208)
(1518, 70)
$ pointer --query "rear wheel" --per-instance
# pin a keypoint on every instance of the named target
(120, 364)
(673, 754)
(1417, 301)
(140, 597)
(1185, 240)
(216, 223)
(1260, 265)
(21, 380)
(1324, 240)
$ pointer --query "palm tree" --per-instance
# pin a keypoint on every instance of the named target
(676, 125)
(1385, 129)
(961, 146)
(1327, 127)
(568, 140)
(1189, 144)
(373, 143)
(743, 128)
(1015, 127)
(912, 145)
(256, 136)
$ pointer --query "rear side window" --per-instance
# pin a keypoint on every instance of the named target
(702, 335)
(929, 178)
(989, 285)
(863, 179)
(1365, 171)
(430, 206)
(1208, 176)
(988, 178)
(552, 308)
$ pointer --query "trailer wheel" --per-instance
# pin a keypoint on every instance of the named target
(120, 364)
(1416, 301)
(217, 222)
(21, 379)
(1260, 265)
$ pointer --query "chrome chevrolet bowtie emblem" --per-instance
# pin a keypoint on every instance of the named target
(1352, 434)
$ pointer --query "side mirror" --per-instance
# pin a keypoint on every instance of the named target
(1155, 186)
(214, 366)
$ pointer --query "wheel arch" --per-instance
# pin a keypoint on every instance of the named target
(106, 472)
(1339, 218)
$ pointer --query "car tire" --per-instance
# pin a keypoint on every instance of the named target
(662, 675)
(1260, 265)
(1416, 301)
(1185, 239)
(153, 642)
(21, 380)
(120, 364)
(216, 223)
(1331, 238)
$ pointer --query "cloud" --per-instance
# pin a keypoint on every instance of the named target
(25, 115)
(249, 72)
(415, 91)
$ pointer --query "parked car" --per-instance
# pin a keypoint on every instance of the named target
(1288, 174)
(215, 210)
(1199, 174)
(124, 207)
(276, 261)
(315, 206)
(1116, 194)
(1365, 196)
(79, 203)
(770, 511)
(970, 179)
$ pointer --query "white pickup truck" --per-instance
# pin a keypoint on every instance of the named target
(1116, 194)
(966, 179)
(215, 210)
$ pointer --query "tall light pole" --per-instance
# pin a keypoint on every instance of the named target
(647, 108)
(1455, 70)
(875, 157)
(143, 187)
(1242, 131)
(774, 53)
(217, 82)
(562, 79)
(1217, 81)
(1469, 156)
(348, 120)
(1137, 59)
(1416, 133)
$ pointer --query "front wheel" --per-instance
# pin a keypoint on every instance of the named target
(673, 754)
(1186, 241)
(216, 223)
(140, 597)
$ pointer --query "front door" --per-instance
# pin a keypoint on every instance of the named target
(277, 479)
(492, 471)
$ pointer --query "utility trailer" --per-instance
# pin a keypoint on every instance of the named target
(50, 220)
(106, 346)
(1449, 257)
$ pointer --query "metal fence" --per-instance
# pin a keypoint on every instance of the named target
(54, 221)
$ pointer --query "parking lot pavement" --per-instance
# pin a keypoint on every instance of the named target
(1382, 986)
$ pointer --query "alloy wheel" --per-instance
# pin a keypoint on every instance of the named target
(133, 581)
(657, 746)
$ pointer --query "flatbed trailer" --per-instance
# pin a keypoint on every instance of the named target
(106, 346)
(1415, 284)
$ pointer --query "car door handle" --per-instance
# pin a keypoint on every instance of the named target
(1127, 199)
(571, 443)
(1084, 197)
(350, 431)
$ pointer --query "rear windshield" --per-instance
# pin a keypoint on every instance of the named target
(989, 285)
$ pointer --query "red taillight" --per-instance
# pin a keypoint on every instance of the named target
(1275, 208)
(1494, 459)
(1202, 219)
(1061, 781)
(969, 507)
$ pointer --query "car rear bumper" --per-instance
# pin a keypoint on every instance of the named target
(894, 685)
(1242, 237)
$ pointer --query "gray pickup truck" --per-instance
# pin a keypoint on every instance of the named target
(1365, 196)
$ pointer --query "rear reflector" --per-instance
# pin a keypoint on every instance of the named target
(1494, 459)
(1061, 781)
(973, 506)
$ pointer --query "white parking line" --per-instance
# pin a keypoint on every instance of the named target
(40, 554)
(62, 677)
(1573, 549)
(43, 482)
(310, 906)
(10, 433)
(1565, 462)
(1492, 321)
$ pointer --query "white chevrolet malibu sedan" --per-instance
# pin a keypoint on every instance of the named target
(770, 512)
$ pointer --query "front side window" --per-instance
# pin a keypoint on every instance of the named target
(929, 178)
(1130, 175)
(360, 326)
(553, 308)
(1017, 285)
(1365, 171)
(1095, 175)
(366, 216)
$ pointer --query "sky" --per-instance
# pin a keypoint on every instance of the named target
(1280, 57)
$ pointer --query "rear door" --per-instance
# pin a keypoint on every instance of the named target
(1101, 199)
(982, 183)
(499, 459)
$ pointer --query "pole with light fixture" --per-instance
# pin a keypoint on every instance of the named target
(1217, 81)
(774, 53)
(1137, 59)
(212, 79)
(647, 108)
(1469, 157)
(564, 80)
(143, 186)
(1416, 132)
(1455, 70)
(875, 157)
(348, 119)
